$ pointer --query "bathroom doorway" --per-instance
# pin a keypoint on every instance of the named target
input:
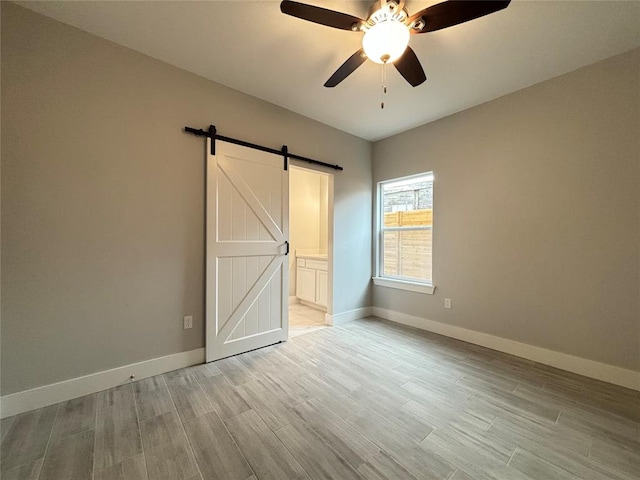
(310, 266)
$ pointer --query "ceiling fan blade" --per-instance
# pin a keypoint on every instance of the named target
(346, 69)
(409, 67)
(319, 15)
(454, 12)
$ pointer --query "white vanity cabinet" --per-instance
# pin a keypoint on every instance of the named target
(311, 280)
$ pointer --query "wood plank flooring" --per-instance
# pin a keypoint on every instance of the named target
(369, 399)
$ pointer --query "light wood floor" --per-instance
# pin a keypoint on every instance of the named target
(369, 399)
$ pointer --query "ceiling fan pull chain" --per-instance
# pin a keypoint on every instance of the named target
(384, 84)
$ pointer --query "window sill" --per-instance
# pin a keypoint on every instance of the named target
(404, 285)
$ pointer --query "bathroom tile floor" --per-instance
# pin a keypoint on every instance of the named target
(304, 319)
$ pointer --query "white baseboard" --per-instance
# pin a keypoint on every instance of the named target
(340, 318)
(293, 299)
(582, 366)
(312, 305)
(39, 397)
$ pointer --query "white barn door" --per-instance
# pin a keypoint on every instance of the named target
(247, 233)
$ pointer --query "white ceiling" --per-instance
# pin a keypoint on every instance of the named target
(252, 47)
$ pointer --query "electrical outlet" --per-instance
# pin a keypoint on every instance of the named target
(447, 303)
(188, 321)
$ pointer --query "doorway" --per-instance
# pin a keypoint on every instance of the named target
(310, 218)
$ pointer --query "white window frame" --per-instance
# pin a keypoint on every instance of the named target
(409, 284)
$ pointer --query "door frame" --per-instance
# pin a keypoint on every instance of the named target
(330, 223)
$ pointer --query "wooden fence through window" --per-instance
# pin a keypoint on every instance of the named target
(408, 253)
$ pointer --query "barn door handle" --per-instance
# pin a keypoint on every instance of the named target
(286, 243)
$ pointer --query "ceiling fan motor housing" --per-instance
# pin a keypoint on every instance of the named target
(386, 11)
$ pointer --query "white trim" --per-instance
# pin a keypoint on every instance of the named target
(404, 285)
(582, 366)
(349, 315)
(38, 397)
(317, 306)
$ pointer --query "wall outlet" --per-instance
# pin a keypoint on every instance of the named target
(188, 321)
(447, 303)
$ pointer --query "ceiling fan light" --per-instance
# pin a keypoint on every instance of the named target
(386, 41)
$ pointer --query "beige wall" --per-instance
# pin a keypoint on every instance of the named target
(307, 215)
(537, 214)
(103, 195)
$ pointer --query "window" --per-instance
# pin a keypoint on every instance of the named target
(405, 219)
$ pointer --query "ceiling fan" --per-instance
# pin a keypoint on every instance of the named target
(387, 30)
